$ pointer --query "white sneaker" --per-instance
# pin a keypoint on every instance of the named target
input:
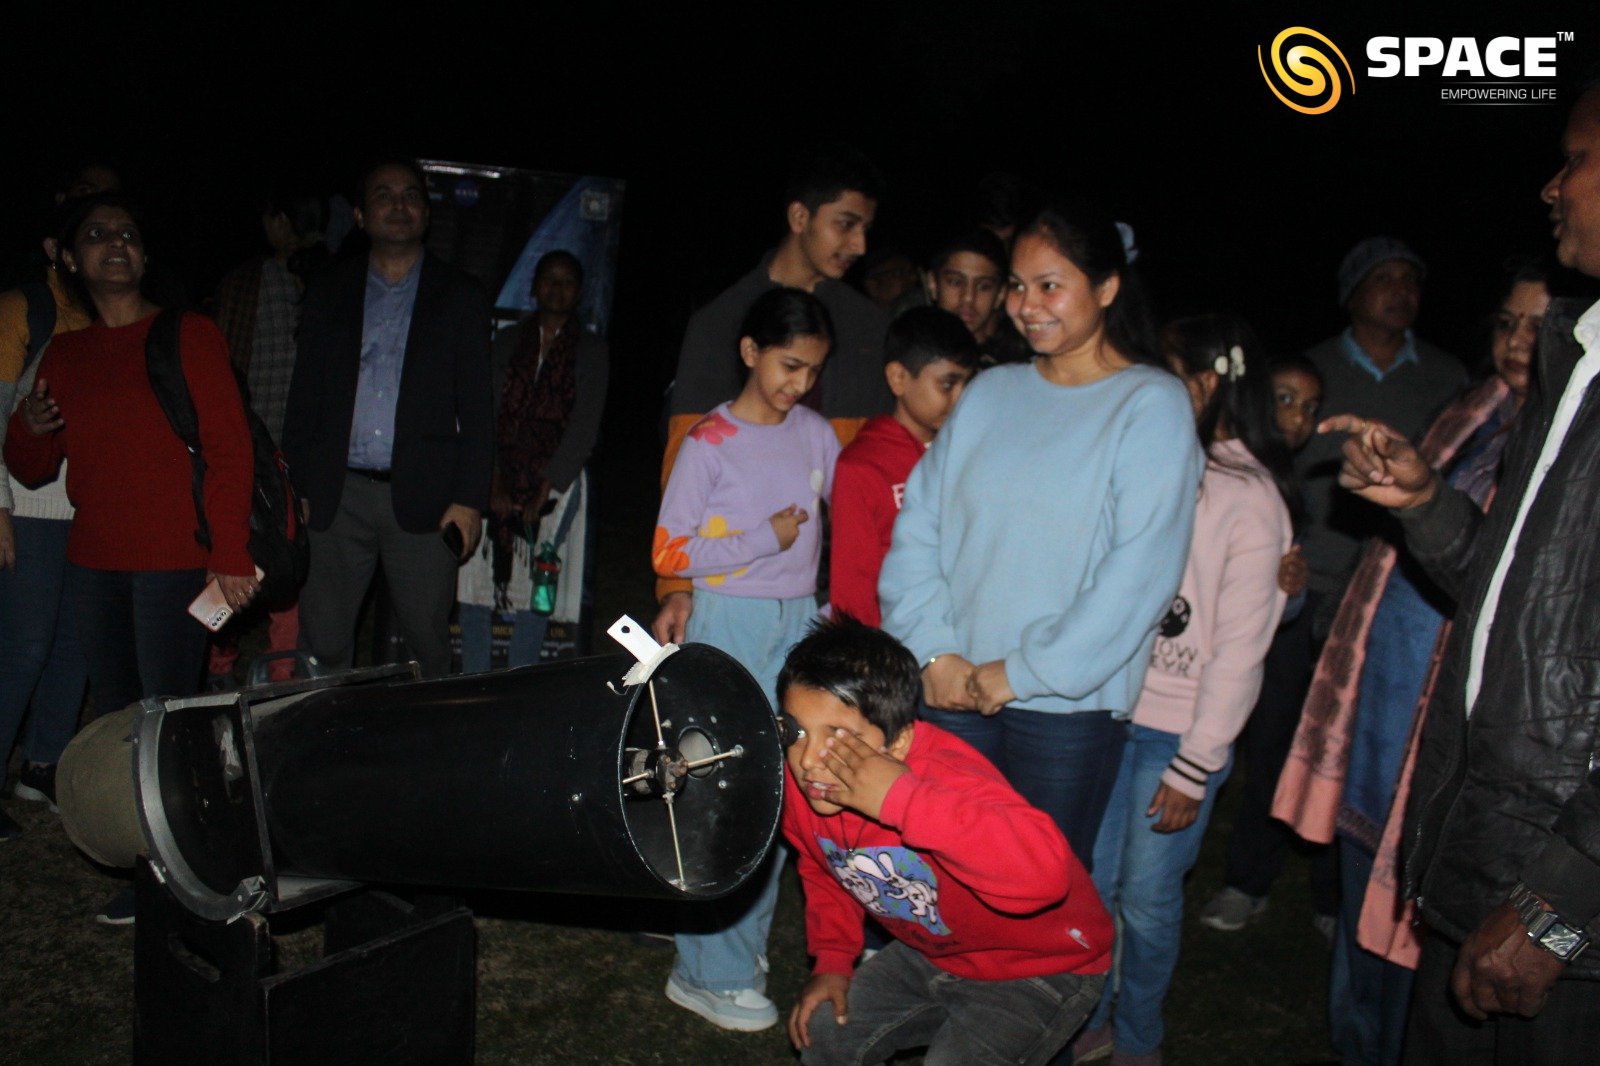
(1230, 910)
(744, 1011)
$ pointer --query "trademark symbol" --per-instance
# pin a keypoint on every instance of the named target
(1564, 35)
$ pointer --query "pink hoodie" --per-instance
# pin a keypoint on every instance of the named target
(1205, 668)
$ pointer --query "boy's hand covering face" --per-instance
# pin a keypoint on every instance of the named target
(865, 773)
(822, 988)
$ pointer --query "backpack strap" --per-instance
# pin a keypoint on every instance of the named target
(164, 366)
(41, 318)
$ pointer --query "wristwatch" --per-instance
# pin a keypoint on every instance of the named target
(1547, 928)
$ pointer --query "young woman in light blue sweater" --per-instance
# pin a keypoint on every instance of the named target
(1044, 534)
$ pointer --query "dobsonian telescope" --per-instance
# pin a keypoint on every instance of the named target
(655, 774)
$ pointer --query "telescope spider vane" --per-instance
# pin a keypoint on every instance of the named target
(663, 772)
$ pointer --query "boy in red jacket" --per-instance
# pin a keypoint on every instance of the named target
(1001, 944)
(928, 358)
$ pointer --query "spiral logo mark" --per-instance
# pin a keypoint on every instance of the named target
(1310, 72)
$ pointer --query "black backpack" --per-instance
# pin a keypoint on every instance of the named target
(278, 541)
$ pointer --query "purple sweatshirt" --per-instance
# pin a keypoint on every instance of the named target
(730, 477)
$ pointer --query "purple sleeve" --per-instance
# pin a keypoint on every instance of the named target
(688, 541)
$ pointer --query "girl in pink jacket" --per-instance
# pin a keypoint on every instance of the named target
(1203, 677)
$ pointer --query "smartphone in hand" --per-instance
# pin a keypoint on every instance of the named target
(209, 608)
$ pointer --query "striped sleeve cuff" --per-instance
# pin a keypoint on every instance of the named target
(1186, 776)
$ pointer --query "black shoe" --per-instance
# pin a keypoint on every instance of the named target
(9, 828)
(38, 783)
(118, 909)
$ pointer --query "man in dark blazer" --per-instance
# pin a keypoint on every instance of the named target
(389, 428)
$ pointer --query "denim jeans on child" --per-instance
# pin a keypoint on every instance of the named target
(758, 633)
(1063, 764)
(898, 1000)
(40, 657)
(1139, 874)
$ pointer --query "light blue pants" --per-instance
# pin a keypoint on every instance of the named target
(1139, 873)
(758, 633)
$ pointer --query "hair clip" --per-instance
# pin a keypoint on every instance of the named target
(1230, 366)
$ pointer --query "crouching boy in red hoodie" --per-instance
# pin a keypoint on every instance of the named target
(1001, 944)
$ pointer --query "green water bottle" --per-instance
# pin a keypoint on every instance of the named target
(546, 572)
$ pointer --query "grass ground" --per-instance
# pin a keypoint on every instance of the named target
(560, 980)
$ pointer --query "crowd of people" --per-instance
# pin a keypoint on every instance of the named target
(1021, 570)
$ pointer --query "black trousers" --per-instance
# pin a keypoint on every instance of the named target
(1260, 843)
(1439, 1033)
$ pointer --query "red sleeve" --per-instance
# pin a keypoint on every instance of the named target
(224, 441)
(833, 917)
(1009, 853)
(33, 460)
(859, 540)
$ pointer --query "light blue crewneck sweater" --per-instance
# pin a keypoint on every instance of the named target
(1048, 526)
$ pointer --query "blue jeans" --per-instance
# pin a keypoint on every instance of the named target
(138, 637)
(1140, 873)
(40, 657)
(758, 633)
(900, 1000)
(527, 638)
(1368, 997)
(1063, 764)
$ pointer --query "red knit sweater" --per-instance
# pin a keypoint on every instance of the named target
(129, 476)
(958, 867)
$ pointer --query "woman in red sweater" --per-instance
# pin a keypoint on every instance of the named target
(134, 564)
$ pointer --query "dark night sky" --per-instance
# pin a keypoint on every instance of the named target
(1239, 203)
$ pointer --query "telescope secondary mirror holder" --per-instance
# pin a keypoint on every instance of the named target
(657, 777)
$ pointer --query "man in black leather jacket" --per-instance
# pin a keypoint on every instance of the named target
(1502, 831)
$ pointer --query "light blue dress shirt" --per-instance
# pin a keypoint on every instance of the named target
(386, 323)
(1359, 357)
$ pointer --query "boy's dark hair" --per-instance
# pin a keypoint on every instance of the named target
(859, 666)
(1294, 361)
(978, 241)
(780, 315)
(828, 174)
(924, 335)
(380, 162)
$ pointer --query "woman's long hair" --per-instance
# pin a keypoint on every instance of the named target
(1243, 402)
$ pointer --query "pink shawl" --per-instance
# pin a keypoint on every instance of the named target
(1312, 783)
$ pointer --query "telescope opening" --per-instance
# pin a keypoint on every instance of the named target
(701, 773)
